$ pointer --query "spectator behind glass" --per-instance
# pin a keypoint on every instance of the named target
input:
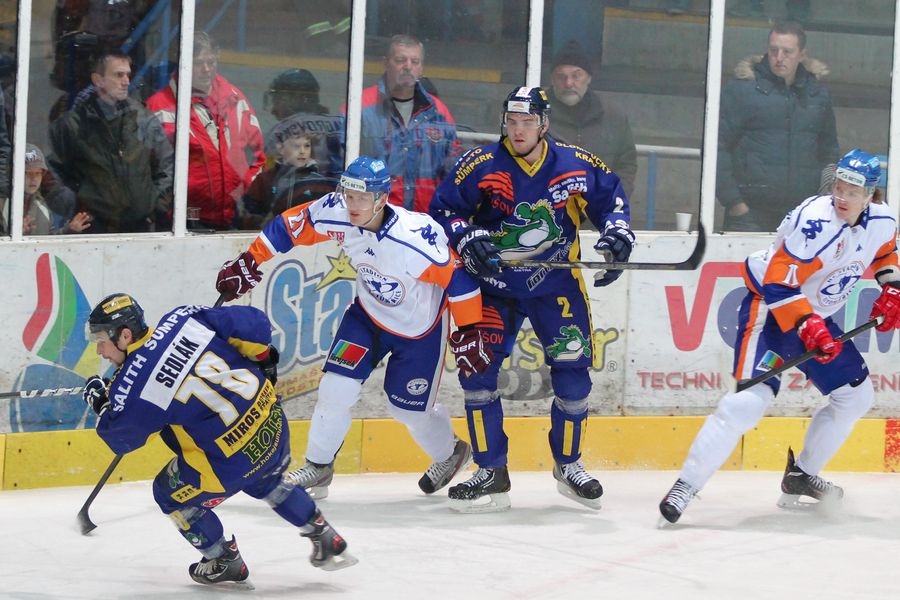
(38, 218)
(408, 128)
(581, 117)
(776, 132)
(226, 146)
(114, 154)
(293, 99)
(293, 179)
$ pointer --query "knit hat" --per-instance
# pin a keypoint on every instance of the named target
(34, 157)
(573, 54)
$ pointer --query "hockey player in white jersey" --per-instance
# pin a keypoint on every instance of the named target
(406, 277)
(820, 252)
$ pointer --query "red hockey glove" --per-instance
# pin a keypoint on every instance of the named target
(472, 356)
(813, 331)
(238, 276)
(888, 306)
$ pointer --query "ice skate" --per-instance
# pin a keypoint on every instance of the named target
(439, 474)
(313, 477)
(485, 491)
(675, 502)
(229, 568)
(329, 548)
(576, 483)
(796, 484)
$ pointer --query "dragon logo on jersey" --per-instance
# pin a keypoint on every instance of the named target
(839, 284)
(386, 290)
(534, 234)
(572, 345)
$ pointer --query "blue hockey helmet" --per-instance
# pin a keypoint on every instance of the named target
(859, 168)
(366, 174)
(528, 100)
(116, 312)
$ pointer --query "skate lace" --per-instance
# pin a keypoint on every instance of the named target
(436, 470)
(575, 473)
(306, 476)
(208, 567)
(680, 494)
(480, 476)
(819, 483)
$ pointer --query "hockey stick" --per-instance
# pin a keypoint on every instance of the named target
(84, 519)
(44, 393)
(689, 264)
(744, 384)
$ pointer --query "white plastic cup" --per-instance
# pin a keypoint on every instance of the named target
(683, 221)
(193, 216)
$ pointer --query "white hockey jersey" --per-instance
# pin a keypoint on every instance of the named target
(405, 272)
(817, 258)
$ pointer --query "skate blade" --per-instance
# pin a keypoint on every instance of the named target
(235, 586)
(802, 503)
(485, 504)
(339, 561)
(568, 492)
(664, 523)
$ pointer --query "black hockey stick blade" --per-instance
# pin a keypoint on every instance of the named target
(689, 264)
(84, 519)
(744, 384)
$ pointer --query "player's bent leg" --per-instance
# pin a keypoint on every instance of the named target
(330, 422)
(487, 490)
(720, 433)
(827, 432)
(568, 421)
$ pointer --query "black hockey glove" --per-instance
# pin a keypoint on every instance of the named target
(269, 364)
(478, 253)
(616, 242)
(94, 394)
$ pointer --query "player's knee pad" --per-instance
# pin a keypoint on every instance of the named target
(410, 418)
(291, 503)
(743, 410)
(570, 383)
(337, 392)
(571, 407)
(851, 402)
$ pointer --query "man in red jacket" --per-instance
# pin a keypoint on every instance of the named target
(224, 133)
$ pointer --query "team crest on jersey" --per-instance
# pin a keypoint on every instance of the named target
(571, 345)
(434, 134)
(837, 287)
(530, 231)
(839, 249)
(212, 502)
(417, 386)
(386, 290)
(337, 236)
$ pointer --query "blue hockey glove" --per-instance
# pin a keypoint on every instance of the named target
(94, 394)
(478, 253)
(616, 243)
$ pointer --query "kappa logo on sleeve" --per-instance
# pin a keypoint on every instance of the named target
(347, 354)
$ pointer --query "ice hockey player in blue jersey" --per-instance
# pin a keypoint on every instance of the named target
(523, 197)
(821, 251)
(408, 284)
(203, 379)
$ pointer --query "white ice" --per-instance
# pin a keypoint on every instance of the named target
(733, 542)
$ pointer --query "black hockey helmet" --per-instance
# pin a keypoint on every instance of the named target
(293, 91)
(114, 313)
(528, 100)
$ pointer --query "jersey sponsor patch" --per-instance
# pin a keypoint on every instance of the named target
(769, 361)
(347, 354)
(175, 363)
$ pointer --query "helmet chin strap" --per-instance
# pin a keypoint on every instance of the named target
(375, 213)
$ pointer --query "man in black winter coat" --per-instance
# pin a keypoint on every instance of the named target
(776, 133)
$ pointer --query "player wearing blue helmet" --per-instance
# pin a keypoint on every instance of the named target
(821, 251)
(406, 277)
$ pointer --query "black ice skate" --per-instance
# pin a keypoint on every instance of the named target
(439, 474)
(227, 568)
(576, 483)
(673, 505)
(797, 483)
(313, 477)
(485, 491)
(329, 548)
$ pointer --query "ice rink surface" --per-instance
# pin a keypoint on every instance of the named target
(733, 542)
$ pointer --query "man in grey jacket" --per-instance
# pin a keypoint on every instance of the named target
(581, 117)
(776, 132)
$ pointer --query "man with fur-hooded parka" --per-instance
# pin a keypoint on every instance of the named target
(774, 137)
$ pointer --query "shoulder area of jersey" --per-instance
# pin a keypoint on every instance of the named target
(573, 153)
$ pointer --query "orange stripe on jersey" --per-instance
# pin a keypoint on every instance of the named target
(466, 311)
(439, 275)
(755, 306)
(296, 221)
(785, 270)
(490, 319)
(888, 257)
